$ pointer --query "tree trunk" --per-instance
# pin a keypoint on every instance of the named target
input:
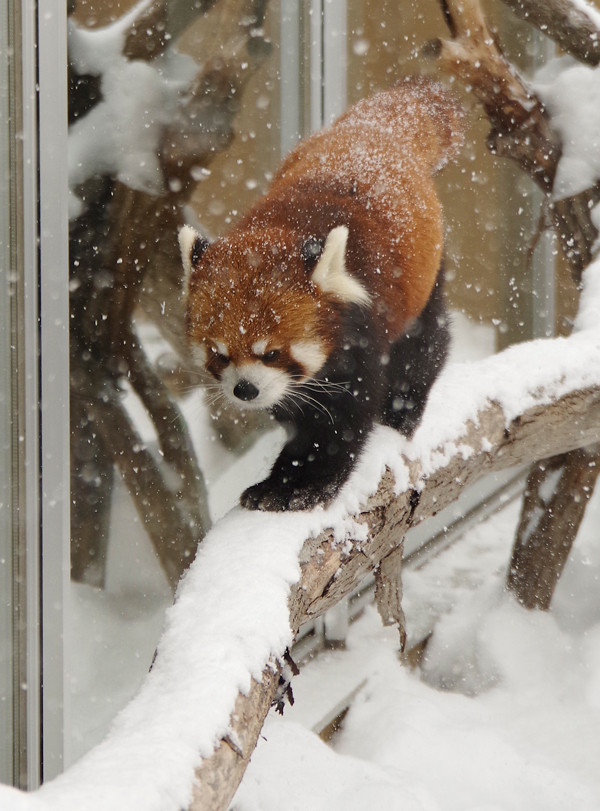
(558, 490)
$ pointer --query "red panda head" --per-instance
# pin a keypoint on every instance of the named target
(263, 308)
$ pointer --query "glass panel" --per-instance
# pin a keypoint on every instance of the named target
(137, 504)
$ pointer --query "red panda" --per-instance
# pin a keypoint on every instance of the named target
(324, 304)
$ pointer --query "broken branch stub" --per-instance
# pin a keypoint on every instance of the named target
(388, 591)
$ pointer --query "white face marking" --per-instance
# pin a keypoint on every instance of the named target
(199, 354)
(259, 348)
(330, 273)
(309, 354)
(272, 384)
(222, 348)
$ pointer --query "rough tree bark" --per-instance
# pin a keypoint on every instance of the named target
(388, 591)
(521, 132)
(330, 571)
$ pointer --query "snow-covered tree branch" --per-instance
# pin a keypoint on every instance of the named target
(524, 405)
(258, 576)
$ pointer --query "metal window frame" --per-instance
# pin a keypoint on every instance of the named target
(54, 373)
(40, 321)
(29, 531)
(19, 233)
(7, 136)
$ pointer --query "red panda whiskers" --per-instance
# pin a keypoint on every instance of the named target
(297, 396)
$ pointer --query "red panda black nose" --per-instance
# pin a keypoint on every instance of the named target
(245, 390)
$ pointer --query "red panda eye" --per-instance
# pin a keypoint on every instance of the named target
(271, 356)
(219, 357)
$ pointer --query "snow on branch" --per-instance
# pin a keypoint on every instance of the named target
(258, 576)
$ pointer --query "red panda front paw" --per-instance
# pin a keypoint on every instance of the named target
(277, 497)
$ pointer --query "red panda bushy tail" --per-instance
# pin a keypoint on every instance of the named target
(420, 114)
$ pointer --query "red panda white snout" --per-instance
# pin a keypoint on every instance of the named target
(324, 304)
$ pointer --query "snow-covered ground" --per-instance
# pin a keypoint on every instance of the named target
(505, 715)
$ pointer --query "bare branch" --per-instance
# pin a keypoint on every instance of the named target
(147, 37)
(571, 26)
(174, 541)
(203, 126)
(520, 129)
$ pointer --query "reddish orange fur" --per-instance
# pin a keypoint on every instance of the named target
(371, 171)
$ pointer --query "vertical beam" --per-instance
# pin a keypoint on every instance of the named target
(27, 536)
(328, 61)
(290, 31)
(8, 127)
(335, 59)
(316, 89)
(54, 371)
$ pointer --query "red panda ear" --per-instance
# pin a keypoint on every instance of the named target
(330, 273)
(192, 246)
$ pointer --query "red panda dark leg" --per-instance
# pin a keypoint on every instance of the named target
(415, 361)
(310, 470)
(329, 430)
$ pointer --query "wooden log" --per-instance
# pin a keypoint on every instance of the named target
(329, 571)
